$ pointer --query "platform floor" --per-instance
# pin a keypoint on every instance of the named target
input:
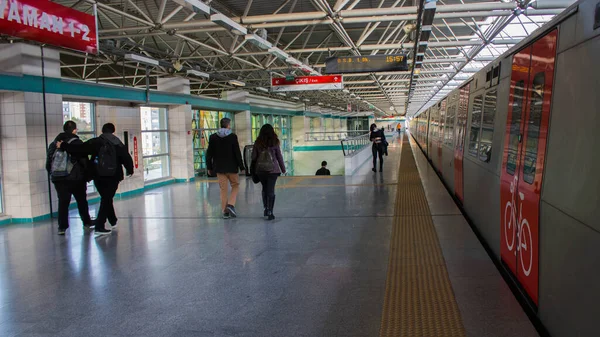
(175, 268)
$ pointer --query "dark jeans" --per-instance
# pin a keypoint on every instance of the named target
(268, 181)
(107, 190)
(377, 150)
(64, 190)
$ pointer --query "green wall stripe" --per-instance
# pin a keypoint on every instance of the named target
(67, 87)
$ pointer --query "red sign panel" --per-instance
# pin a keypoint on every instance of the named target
(135, 152)
(332, 82)
(47, 22)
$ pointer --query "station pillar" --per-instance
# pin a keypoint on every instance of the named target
(29, 122)
(180, 129)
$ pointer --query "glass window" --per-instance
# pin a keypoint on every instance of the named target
(204, 124)
(474, 136)
(449, 131)
(84, 115)
(487, 126)
(533, 127)
(155, 143)
(515, 127)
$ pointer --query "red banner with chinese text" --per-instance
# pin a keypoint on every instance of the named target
(47, 22)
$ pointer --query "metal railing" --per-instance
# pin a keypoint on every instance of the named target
(332, 135)
(352, 145)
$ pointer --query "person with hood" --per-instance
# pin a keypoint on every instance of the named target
(108, 155)
(69, 180)
(377, 137)
(224, 158)
(267, 165)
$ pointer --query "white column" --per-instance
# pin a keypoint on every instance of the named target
(23, 133)
(180, 142)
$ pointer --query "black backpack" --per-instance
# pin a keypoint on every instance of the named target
(106, 161)
(265, 161)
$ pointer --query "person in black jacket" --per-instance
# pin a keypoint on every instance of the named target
(106, 185)
(224, 158)
(73, 184)
(377, 137)
(323, 171)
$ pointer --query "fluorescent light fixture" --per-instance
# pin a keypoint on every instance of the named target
(279, 53)
(281, 94)
(293, 61)
(346, 91)
(198, 73)
(237, 83)
(226, 22)
(262, 89)
(321, 104)
(352, 95)
(141, 59)
(306, 100)
(258, 41)
(194, 5)
(295, 97)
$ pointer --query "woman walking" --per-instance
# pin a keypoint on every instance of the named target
(267, 165)
(377, 136)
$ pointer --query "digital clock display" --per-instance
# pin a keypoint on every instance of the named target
(365, 64)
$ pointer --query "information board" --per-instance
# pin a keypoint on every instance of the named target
(365, 64)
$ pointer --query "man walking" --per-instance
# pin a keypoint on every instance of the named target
(70, 176)
(224, 158)
(109, 156)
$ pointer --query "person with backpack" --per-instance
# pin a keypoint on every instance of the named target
(224, 158)
(109, 156)
(267, 166)
(379, 147)
(69, 174)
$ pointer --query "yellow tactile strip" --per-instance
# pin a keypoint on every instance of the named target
(419, 300)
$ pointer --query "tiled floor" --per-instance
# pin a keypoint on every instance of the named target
(174, 268)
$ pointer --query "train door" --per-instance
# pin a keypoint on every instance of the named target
(431, 144)
(459, 145)
(440, 135)
(523, 159)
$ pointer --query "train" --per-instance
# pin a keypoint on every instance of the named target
(518, 147)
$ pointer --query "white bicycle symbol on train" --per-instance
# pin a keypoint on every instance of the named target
(522, 228)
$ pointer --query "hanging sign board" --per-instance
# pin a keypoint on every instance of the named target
(305, 83)
(365, 64)
(51, 23)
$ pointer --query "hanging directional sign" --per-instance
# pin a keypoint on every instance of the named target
(305, 83)
(365, 64)
(49, 22)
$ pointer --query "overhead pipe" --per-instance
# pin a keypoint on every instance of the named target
(551, 4)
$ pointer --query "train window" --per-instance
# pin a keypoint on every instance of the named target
(533, 127)
(474, 136)
(449, 131)
(487, 126)
(515, 127)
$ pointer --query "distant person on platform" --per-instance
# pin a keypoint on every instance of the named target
(70, 175)
(399, 128)
(109, 156)
(323, 171)
(224, 158)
